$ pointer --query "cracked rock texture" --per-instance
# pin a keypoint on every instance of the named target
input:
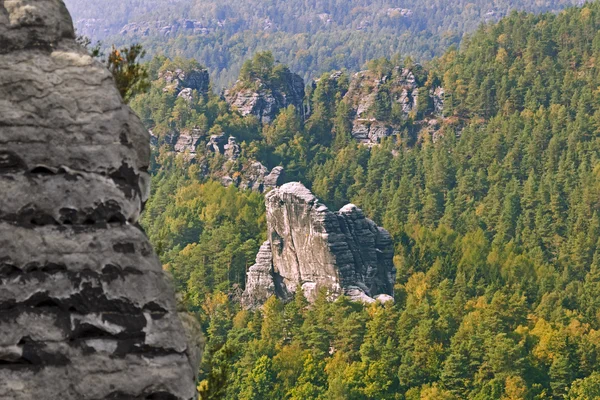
(85, 309)
(313, 247)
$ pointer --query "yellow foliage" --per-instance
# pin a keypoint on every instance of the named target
(435, 393)
(545, 334)
(502, 56)
(515, 388)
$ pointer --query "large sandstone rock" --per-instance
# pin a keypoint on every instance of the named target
(265, 100)
(85, 309)
(312, 247)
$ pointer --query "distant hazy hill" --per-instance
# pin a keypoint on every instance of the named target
(311, 36)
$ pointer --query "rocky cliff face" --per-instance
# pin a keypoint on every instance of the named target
(85, 310)
(401, 93)
(264, 100)
(185, 82)
(312, 247)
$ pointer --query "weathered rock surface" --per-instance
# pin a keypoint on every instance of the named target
(259, 279)
(216, 144)
(312, 247)
(265, 100)
(232, 150)
(185, 82)
(85, 309)
(187, 142)
(370, 131)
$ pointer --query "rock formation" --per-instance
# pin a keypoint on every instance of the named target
(264, 99)
(85, 310)
(187, 142)
(402, 88)
(185, 82)
(312, 247)
(160, 28)
(251, 174)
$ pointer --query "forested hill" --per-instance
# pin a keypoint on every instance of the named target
(496, 227)
(310, 36)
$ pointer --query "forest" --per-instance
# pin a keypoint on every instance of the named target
(310, 36)
(496, 226)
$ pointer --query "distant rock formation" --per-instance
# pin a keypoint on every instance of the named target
(265, 100)
(185, 82)
(159, 28)
(312, 247)
(402, 90)
(85, 309)
(251, 174)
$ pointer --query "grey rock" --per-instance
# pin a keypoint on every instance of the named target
(314, 248)
(370, 132)
(403, 90)
(384, 298)
(275, 178)
(187, 142)
(259, 279)
(409, 100)
(186, 94)
(438, 100)
(253, 177)
(232, 150)
(258, 178)
(216, 144)
(265, 102)
(196, 79)
(227, 181)
(87, 310)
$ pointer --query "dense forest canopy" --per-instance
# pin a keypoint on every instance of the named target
(496, 224)
(310, 36)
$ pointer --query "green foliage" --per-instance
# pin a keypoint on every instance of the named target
(259, 67)
(207, 235)
(496, 226)
(130, 76)
(312, 37)
(586, 389)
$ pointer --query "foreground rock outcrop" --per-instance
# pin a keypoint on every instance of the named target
(312, 247)
(85, 310)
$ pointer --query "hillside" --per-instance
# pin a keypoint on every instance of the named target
(495, 217)
(311, 37)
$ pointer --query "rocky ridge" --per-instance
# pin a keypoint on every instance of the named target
(403, 90)
(264, 100)
(312, 247)
(86, 311)
(183, 83)
(162, 28)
